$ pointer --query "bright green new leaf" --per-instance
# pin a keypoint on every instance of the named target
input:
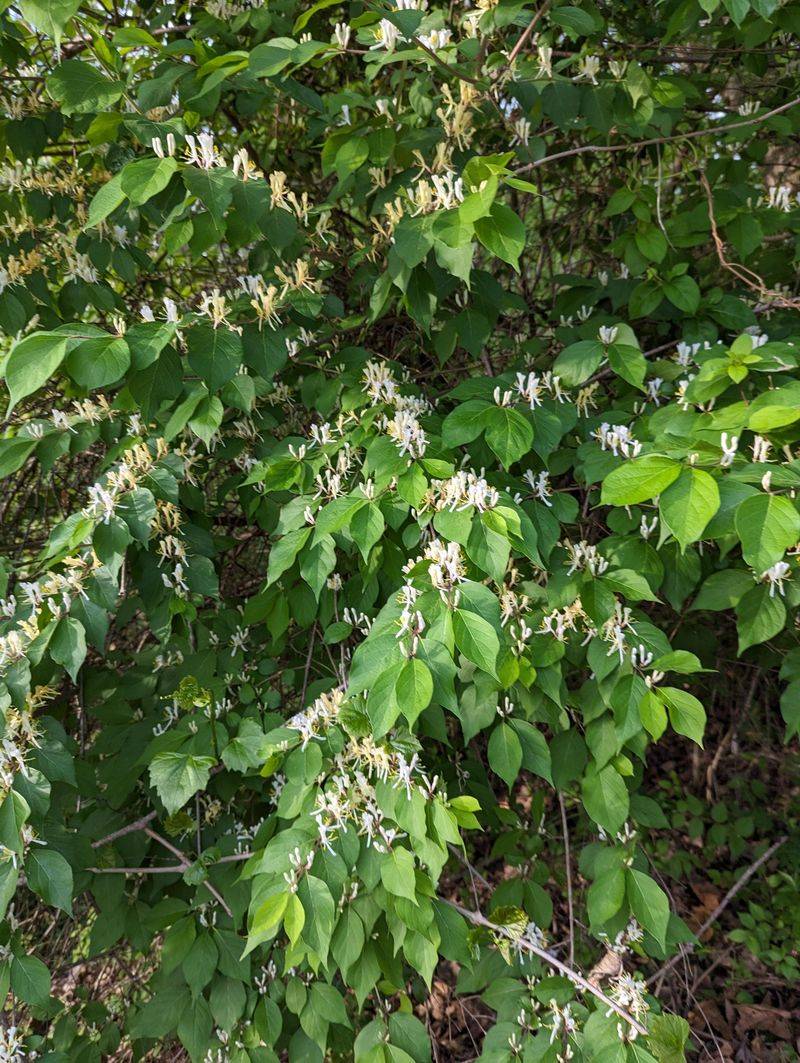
(638, 480)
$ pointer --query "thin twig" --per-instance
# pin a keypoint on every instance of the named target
(212, 889)
(605, 148)
(739, 884)
(167, 869)
(568, 862)
(139, 824)
(528, 31)
(750, 279)
(577, 979)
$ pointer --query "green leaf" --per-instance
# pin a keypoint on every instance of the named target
(68, 646)
(638, 480)
(397, 874)
(760, 616)
(509, 433)
(790, 709)
(505, 754)
(688, 504)
(294, 919)
(767, 526)
(667, 1037)
(605, 797)
(30, 980)
(649, 903)
(32, 362)
(80, 88)
(319, 909)
(98, 362)
(628, 363)
(50, 876)
(577, 362)
(105, 201)
(414, 689)
(465, 422)
(214, 354)
(177, 776)
(502, 233)
(477, 640)
(683, 293)
(144, 179)
(267, 918)
(606, 894)
(49, 16)
(686, 713)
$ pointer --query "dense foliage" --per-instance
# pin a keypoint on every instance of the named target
(400, 401)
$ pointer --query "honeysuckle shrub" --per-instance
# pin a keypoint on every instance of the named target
(402, 404)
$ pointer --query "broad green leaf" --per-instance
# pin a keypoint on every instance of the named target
(505, 753)
(397, 873)
(648, 903)
(98, 362)
(688, 504)
(80, 88)
(50, 876)
(144, 179)
(49, 16)
(767, 526)
(105, 201)
(476, 639)
(509, 433)
(502, 233)
(605, 797)
(414, 689)
(68, 645)
(686, 713)
(30, 980)
(177, 776)
(638, 480)
(32, 362)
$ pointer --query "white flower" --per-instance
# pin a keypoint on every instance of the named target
(341, 33)
(386, 35)
(540, 484)
(607, 334)
(436, 39)
(729, 448)
(618, 439)
(686, 353)
(761, 449)
(775, 577)
(584, 556)
(101, 503)
(544, 54)
(158, 147)
(202, 151)
(407, 433)
(778, 197)
(588, 68)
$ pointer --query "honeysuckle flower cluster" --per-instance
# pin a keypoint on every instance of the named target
(585, 556)
(446, 570)
(462, 491)
(618, 439)
(314, 721)
(629, 993)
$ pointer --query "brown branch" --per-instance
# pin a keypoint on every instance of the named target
(528, 31)
(750, 279)
(738, 885)
(212, 889)
(577, 979)
(606, 148)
